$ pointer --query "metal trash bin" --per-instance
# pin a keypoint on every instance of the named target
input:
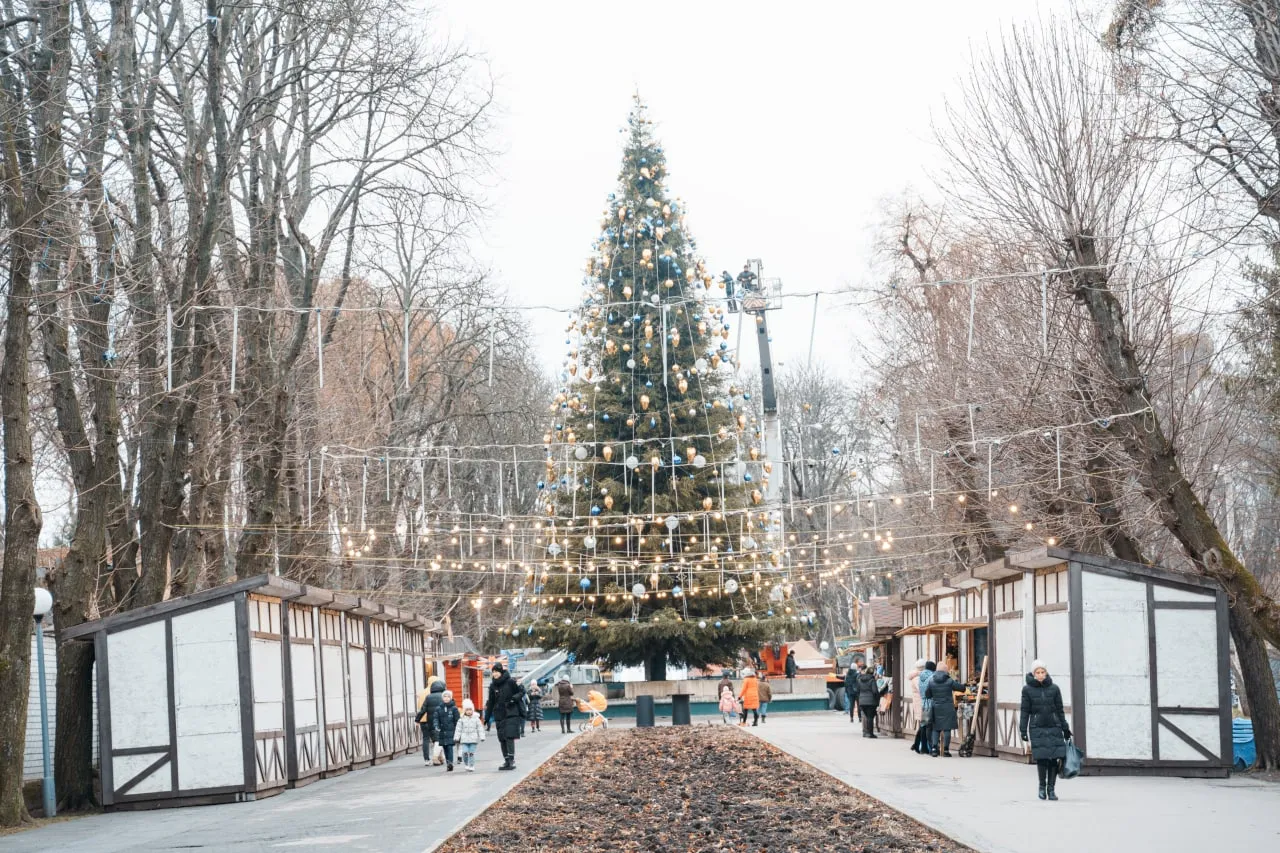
(644, 712)
(680, 715)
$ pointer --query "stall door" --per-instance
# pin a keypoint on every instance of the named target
(306, 740)
(266, 637)
(337, 693)
(358, 678)
(1009, 677)
(380, 678)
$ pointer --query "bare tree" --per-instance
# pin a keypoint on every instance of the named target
(34, 69)
(1049, 154)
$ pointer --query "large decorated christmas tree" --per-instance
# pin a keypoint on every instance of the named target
(658, 541)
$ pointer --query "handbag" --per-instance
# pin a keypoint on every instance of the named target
(437, 754)
(926, 718)
(1073, 761)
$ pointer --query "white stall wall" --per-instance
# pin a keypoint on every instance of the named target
(207, 698)
(1116, 667)
(1187, 661)
(1053, 646)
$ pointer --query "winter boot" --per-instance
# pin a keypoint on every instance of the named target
(1043, 792)
(448, 768)
(1053, 778)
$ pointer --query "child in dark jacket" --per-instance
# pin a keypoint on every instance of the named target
(444, 723)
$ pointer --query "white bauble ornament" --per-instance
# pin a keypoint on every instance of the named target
(589, 542)
(638, 590)
(731, 586)
(672, 522)
(699, 461)
(632, 463)
(580, 453)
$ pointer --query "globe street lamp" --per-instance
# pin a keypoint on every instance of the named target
(44, 604)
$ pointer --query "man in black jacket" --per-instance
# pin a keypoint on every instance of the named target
(868, 696)
(851, 688)
(504, 709)
(426, 712)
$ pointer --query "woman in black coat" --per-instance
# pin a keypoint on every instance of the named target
(504, 708)
(1042, 719)
(940, 691)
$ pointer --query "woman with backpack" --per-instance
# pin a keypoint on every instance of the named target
(565, 704)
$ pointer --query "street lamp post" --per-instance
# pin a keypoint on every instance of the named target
(44, 604)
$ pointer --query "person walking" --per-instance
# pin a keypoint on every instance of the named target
(1044, 721)
(467, 734)
(766, 696)
(790, 665)
(535, 707)
(505, 710)
(728, 705)
(868, 693)
(444, 722)
(425, 711)
(750, 697)
(565, 704)
(851, 688)
(941, 692)
(725, 681)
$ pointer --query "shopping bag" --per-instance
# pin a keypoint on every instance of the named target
(1073, 762)
(437, 754)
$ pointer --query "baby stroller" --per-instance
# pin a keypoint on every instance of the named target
(595, 706)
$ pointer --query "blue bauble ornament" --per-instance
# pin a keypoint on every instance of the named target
(718, 624)
(835, 451)
(677, 459)
(747, 477)
(769, 613)
(595, 510)
(541, 485)
(677, 591)
(653, 422)
(583, 626)
(605, 417)
(747, 395)
(585, 583)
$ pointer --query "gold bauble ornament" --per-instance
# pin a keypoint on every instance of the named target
(690, 452)
(659, 232)
(607, 453)
(608, 501)
(715, 360)
(742, 422)
(755, 453)
(644, 402)
(610, 347)
(622, 213)
(551, 463)
(571, 438)
(631, 421)
(723, 432)
(756, 497)
(675, 337)
(646, 253)
(626, 291)
(707, 503)
(573, 369)
(648, 331)
(683, 384)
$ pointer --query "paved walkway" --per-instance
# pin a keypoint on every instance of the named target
(399, 807)
(991, 805)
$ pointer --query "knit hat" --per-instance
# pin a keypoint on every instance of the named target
(930, 665)
(468, 705)
(1038, 664)
(497, 667)
(920, 663)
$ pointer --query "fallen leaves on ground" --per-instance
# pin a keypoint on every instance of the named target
(694, 789)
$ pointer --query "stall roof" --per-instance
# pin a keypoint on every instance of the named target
(939, 627)
(997, 570)
(271, 586)
(1047, 556)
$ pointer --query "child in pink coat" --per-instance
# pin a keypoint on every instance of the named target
(728, 705)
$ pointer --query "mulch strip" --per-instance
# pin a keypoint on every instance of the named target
(702, 788)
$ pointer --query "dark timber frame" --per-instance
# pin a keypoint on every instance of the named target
(122, 793)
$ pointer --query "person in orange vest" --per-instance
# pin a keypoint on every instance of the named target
(750, 697)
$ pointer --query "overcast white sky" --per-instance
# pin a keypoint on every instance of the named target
(784, 127)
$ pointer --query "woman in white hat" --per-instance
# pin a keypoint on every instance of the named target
(1044, 723)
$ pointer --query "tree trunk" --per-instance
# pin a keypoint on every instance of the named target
(1255, 618)
(655, 667)
(73, 744)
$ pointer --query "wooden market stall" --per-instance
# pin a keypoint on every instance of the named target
(233, 693)
(1140, 654)
(876, 624)
(946, 621)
